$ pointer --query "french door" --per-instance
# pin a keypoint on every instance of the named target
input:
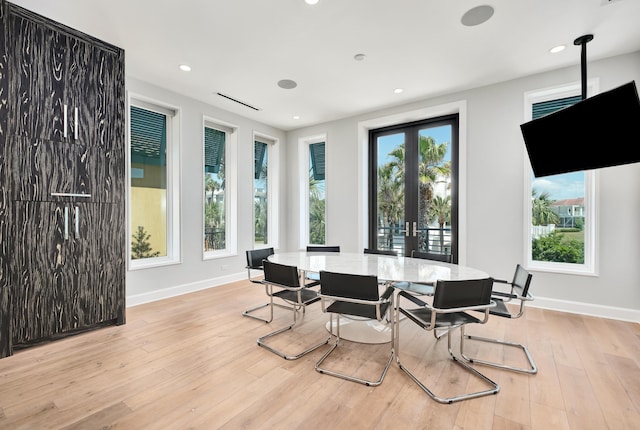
(413, 187)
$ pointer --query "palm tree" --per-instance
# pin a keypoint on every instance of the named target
(316, 211)
(440, 210)
(541, 213)
(390, 199)
(430, 168)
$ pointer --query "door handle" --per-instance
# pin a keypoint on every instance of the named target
(77, 222)
(64, 123)
(406, 229)
(415, 229)
(75, 124)
(66, 223)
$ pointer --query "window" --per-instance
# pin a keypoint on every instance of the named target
(313, 198)
(219, 210)
(153, 196)
(264, 160)
(560, 209)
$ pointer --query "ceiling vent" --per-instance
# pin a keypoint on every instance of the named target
(238, 101)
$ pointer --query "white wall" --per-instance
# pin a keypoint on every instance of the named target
(193, 272)
(494, 196)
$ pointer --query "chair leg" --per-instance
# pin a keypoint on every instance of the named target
(248, 312)
(369, 383)
(495, 388)
(532, 369)
(282, 354)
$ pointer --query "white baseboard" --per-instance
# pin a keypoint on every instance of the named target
(152, 296)
(623, 314)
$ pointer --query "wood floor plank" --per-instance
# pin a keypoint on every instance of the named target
(192, 362)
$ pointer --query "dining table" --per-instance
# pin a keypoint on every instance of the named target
(403, 273)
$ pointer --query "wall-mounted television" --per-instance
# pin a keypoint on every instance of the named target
(600, 131)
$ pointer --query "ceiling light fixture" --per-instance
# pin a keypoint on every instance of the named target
(185, 68)
(359, 57)
(296, 117)
(398, 90)
(287, 84)
(557, 49)
(311, 1)
(477, 15)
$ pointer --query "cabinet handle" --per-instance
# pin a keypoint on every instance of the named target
(66, 223)
(64, 125)
(75, 122)
(77, 222)
(71, 195)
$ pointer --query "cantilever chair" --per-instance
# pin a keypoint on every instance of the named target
(519, 295)
(451, 302)
(283, 282)
(254, 262)
(425, 289)
(354, 295)
(320, 248)
(323, 248)
(389, 252)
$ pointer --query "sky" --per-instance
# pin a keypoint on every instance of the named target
(559, 187)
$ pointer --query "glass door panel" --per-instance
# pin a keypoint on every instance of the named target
(413, 187)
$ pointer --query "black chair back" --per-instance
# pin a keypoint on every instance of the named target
(281, 274)
(521, 281)
(323, 248)
(445, 258)
(380, 251)
(255, 257)
(460, 294)
(360, 287)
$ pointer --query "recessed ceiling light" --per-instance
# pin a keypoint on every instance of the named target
(296, 117)
(477, 15)
(359, 57)
(557, 49)
(311, 1)
(287, 84)
(398, 90)
(185, 68)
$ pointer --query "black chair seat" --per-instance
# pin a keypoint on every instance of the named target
(307, 296)
(422, 317)
(500, 309)
(357, 309)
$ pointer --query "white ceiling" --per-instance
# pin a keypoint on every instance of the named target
(242, 48)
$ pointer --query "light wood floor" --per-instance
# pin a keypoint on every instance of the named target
(192, 362)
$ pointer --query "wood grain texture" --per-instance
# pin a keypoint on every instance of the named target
(52, 285)
(191, 362)
(5, 337)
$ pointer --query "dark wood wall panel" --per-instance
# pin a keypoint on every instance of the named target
(62, 259)
(5, 338)
(38, 168)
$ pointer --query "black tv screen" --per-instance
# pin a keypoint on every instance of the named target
(600, 131)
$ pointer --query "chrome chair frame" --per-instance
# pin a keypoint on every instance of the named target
(426, 289)
(363, 300)
(519, 287)
(254, 262)
(287, 280)
(449, 311)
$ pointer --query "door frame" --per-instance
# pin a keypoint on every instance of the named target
(411, 130)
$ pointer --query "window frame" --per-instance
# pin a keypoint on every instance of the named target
(590, 265)
(231, 188)
(173, 152)
(273, 161)
(304, 144)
